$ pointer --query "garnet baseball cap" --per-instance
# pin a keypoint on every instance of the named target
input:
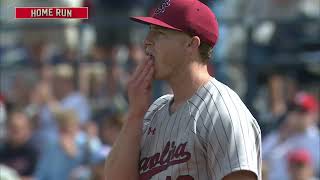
(189, 16)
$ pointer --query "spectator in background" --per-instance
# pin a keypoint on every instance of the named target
(65, 92)
(73, 152)
(110, 129)
(59, 95)
(90, 143)
(298, 130)
(21, 88)
(273, 99)
(300, 165)
(17, 152)
(93, 84)
(93, 152)
(61, 156)
(102, 80)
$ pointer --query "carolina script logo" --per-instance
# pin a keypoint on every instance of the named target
(162, 8)
(171, 155)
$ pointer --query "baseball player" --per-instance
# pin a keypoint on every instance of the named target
(203, 131)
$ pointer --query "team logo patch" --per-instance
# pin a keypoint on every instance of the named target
(162, 7)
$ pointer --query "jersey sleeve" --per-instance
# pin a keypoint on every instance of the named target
(234, 141)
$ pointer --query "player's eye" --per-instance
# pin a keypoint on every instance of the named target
(159, 32)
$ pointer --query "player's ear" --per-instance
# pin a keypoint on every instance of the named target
(194, 42)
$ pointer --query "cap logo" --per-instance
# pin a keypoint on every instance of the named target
(162, 8)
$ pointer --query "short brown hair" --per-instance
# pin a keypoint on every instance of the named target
(205, 51)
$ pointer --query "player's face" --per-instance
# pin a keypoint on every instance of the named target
(167, 49)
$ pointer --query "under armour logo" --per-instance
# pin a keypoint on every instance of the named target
(151, 131)
(162, 8)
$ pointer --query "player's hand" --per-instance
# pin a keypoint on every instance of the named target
(139, 89)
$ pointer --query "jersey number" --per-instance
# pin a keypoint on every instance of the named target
(184, 177)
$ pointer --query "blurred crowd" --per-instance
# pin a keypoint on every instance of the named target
(63, 94)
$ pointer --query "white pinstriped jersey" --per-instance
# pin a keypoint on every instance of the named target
(208, 137)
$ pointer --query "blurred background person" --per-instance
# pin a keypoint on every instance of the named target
(66, 93)
(300, 165)
(110, 128)
(60, 156)
(58, 95)
(71, 155)
(298, 130)
(92, 149)
(17, 152)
